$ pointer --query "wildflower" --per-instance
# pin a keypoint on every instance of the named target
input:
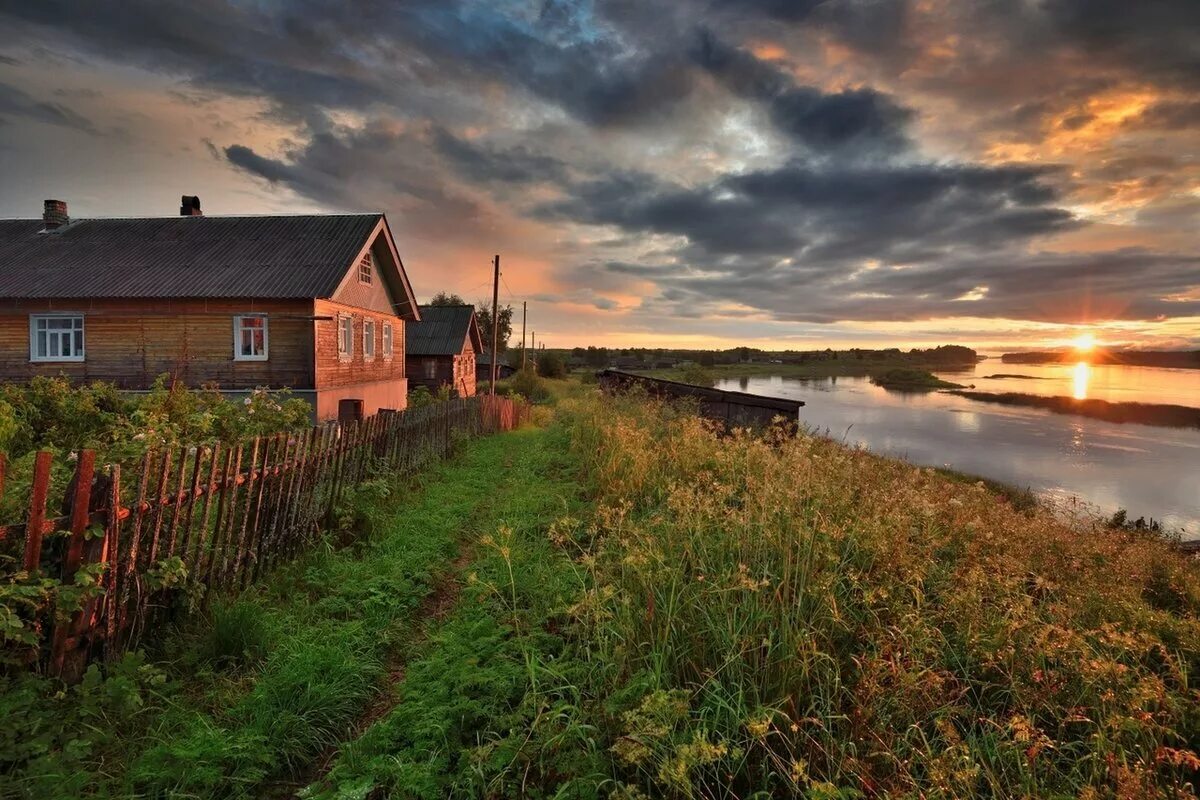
(758, 728)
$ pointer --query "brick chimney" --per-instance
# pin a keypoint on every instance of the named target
(189, 206)
(55, 214)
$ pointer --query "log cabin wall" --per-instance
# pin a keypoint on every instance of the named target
(333, 369)
(464, 371)
(131, 342)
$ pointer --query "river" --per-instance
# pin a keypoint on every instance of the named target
(1149, 471)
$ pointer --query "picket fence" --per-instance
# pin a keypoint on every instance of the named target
(208, 518)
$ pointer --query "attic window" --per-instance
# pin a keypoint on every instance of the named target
(366, 268)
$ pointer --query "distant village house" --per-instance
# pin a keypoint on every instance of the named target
(483, 369)
(313, 303)
(442, 348)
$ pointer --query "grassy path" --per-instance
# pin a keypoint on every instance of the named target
(249, 700)
(488, 708)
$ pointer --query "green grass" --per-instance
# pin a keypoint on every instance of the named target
(491, 707)
(256, 691)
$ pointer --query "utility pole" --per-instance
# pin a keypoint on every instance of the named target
(495, 321)
(524, 312)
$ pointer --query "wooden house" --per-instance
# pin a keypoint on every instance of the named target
(442, 348)
(313, 303)
(483, 369)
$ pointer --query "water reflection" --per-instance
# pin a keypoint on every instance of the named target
(1079, 377)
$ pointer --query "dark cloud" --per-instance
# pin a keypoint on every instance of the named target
(1170, 115)
(16, 103)
(639, 118)
(861, 120)
(829, 215)
(488, 163)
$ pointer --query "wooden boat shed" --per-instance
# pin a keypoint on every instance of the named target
(736, 409)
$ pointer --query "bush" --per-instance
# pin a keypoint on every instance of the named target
(527, 384)
(698, 375)
(551, 365)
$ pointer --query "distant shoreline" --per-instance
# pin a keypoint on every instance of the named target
(1161, 414)
(1171, 359)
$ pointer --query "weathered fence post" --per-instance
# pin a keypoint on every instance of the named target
(67, 630)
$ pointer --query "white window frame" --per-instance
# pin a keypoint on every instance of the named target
(238, 355)
(345, 342)
(366, 268)
(34, 319)
(387, 341)
(368, 339)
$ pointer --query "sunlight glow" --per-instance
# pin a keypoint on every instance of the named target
(1084, 342)
(1079, 379)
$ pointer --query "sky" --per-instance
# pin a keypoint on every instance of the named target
(698, 173)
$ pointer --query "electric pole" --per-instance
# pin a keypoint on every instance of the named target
(495, 322)
(524, 312)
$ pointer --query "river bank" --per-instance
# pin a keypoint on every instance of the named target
(1171, 416)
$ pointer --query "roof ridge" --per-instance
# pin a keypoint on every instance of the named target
(207, 216)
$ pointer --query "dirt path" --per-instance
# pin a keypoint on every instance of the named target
(436, 606)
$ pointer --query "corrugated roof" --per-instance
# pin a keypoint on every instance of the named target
(269, 257)
(442, 331)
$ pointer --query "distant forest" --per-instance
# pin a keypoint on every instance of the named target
(945, 355)
(1180, 359)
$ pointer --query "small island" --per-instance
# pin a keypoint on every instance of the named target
(906, 379)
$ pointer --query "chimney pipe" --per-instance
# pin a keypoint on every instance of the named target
(189, 206)
(54, 214)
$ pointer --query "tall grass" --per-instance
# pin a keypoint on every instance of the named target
(790, 616)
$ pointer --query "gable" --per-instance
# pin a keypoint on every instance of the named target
(387, 291)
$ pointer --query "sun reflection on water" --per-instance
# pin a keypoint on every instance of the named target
(1080, 375)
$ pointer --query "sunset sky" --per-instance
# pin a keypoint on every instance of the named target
(693, 173)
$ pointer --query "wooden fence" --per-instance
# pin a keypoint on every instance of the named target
(206, 518)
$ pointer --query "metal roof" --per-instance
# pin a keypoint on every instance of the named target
(442, 331)
(268, 257)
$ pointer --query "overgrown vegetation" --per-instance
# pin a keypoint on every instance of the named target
(252, 695)
(656, 610)
(54, 414)
(794, 617)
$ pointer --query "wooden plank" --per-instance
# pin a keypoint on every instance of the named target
(254, 474)
(256, 540)
(211, 489)
(81, 496)
(177, 506)
(194, 492)
(112, 537)
(228, 528)
(130, 579)
(159, 503)
(37, 510)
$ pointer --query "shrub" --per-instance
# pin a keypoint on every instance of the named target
(697, 375)
(527, 383)
(551, 365)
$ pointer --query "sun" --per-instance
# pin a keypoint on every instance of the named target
(1084, 342)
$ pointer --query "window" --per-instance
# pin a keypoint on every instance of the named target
(345, 336)
(366, 268)
(431, 366)
(387, 340)
(56, 337)
(250, 337)
(368, 338)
